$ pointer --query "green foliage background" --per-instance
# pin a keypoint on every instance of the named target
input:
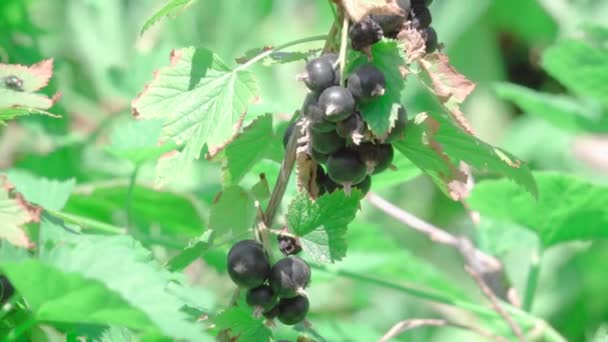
(541, 68)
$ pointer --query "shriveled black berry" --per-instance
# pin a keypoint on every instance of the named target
(321, 73)
(365, 33)
(337, 103)
(345, 167)
(376, 157)
(248, 265)
(365, 186)
(398, 130)
(289, 245)
(293, 310)
(366, 83)
(431, 41)
(6, 289)
(13, 82)
(288, 133)
(391, 24)
(262, 297)
(289, 276)
(327, 143)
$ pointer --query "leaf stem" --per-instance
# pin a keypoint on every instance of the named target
(129, 200)
(87, 223)
(532, 281)
(269, 52)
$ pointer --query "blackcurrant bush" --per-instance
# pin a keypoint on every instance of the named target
(248, 265)
(327, 143)
(321, 73)
(288, 133)
(6, 289)
(337, 103)
(261, 297)
(293, 310)
(289, 276)
(398, 129)
(366, 82)
(365, 33)
(365, 186)
(345, 167)
(376, 157)
(431, 41)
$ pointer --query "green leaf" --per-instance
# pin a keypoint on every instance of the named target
(201, 102)
(138, 141)
(580, 67)
(102, 279)
(322, 224)
(561, 111)
(247, 149)
(406, 171)
(170, 7)
(242, 324)
(437, 146)
(33, 78)
(13, 214)
(568, 208)
(15, 112)
(49, 194)
(232, 211)
(381, 112)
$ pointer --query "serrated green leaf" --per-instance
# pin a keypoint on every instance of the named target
(560, 110)
(170, 7)
(32, 78)
(233, 211)
(138, 141)
(437, 146)
(247, 149)
(568, 208)
(201, 102)
(405, 171)
(323, 223)
(580, 67)
(241, 323)
(380, 113)
(15, 112)
(49, 194)
(13, 214)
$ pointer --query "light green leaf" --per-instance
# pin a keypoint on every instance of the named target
(562, 111)
(323, 223)
(138, 141)
(580, 67)
(15, 112)
(170, 7)
(49, 194)
(247, 149)
(32, 79)
(13, 214)
(381, 112)
(406, 171)
(568, 208)
(201, 102)
(437, 146)
(232, 211)
(241, 323)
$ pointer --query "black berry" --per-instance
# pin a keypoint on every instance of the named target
(319, 157)
(345, 167)
(337, 103)
(289, 245)
(398, 129)
(366, 82)
(326, 143)
(431, 40)
(13, 82)
(248, 265)
(289, 276)
(350, 127)
(321, 73)
(6, 289)
(272, 313)
(422, 17)
(261, 297)
(376, 157)
(293, 310)
(365, 186)
(365, 33)
(314, 114)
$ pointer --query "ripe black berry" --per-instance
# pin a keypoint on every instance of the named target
(293, 310)
(321, 73)
(13, 82)
(376, 157)
(422, 17)
(248, 265)
(345, 167)
(314, 114)
(326, 143)
(431, 40)
(261, 297)
(289, 277)
(6, 289)
(337, 103)
(365, 33)
(272, 313)
(366, 82)
(398, 129)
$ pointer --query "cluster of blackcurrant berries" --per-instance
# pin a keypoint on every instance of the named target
(275, 291)
(6, 289)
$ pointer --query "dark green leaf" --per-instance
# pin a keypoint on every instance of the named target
(241, 324)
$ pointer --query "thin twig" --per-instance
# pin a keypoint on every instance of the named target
(496, 305)
(406, 325)
(343, 46)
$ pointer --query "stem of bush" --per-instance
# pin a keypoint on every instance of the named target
(269, 52)
(532, 281)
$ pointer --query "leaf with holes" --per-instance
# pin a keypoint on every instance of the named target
(201, 101)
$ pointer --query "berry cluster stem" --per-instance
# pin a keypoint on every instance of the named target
(343, 47)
